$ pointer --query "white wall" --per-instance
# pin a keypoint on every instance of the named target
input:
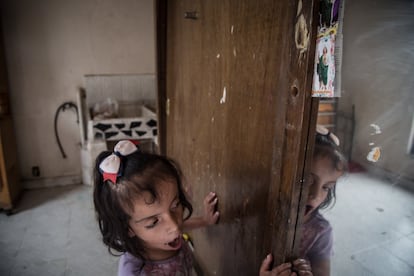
(50, 45)
(378, 66)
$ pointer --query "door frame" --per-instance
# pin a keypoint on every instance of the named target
(283, 240)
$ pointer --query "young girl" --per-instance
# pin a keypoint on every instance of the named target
(327, 166)
(142, 209)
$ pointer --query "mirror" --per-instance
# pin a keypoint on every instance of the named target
(373, 218)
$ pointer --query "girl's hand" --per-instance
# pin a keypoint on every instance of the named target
(302, 267)
(211, 216)
(280, 270)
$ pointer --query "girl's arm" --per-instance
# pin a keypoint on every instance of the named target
(321, 268)
(211, 216)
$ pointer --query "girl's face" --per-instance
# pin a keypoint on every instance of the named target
(323, 179)
(159, 223)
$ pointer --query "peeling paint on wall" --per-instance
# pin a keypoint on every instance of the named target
(167, 107)
(299, 10)
(301, 33)
(290, 126)
(375, 152)
(223, 98)
(377, 129)
(374, 155)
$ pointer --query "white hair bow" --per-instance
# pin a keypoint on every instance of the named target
(329, 135)
(110, 166)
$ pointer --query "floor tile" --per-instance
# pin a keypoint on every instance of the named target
(54, 232)
(382, 263)
(373, 227)
(402, 248)
(55, 267)
(347, 267)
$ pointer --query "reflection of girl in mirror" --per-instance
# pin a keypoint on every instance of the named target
(328, 166)
(142, 209)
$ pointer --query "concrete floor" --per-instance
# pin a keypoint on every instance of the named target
(54, 232)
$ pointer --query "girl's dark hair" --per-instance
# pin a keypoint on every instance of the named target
(141, 172)
(325, 147)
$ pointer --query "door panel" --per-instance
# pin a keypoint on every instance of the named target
(236, 116)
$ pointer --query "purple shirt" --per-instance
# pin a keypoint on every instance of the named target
(317, 239)
(179, 265)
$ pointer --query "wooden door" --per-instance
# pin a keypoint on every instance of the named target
(235, 112)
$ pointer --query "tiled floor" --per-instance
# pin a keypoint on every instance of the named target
(373, 223)
(54, 232)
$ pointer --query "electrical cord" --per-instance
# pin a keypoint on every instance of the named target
(63, 107)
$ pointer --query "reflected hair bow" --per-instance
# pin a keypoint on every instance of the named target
(111, 165)
(323, 131)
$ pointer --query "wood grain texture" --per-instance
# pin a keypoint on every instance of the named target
(238, 123)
